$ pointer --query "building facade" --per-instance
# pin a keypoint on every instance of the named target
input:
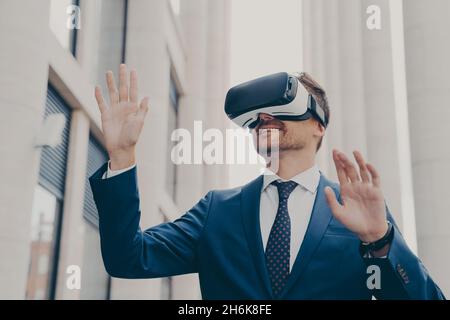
(387, 87)
(53, 53)
(388, 90)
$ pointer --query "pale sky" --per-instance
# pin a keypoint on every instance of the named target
(265, 38)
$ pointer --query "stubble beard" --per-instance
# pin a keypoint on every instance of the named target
(285, 143)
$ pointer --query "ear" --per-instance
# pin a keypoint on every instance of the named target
(319, 129)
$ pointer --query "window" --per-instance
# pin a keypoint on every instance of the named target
(52, 172)
(95, 282)
(171, 174)
(97, 156)
(44, 222)
(112, 36)
(64, 17)
(47, 209)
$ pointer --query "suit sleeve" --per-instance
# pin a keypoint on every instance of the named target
(128, 252)
(403, 276)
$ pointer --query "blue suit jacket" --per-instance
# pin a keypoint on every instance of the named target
(219, 238)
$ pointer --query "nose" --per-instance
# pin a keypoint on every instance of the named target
(265, 117)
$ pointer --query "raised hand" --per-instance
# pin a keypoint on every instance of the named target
(363, 210)
(123, 119)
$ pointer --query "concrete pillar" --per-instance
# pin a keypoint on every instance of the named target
(384, 94)
(146, 51)
(363, 73)
(314, 50)
(331, 72)
(333, 55)
(218, 66)
(23, 87)
(193, 106)
(194, 22)
(351, 112)
(72, 229)
(427, 30)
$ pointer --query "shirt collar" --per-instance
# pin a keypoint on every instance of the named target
(308, 179)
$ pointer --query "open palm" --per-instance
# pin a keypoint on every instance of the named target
(123, 119)
(363, 210)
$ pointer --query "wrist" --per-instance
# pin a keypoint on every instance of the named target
(380, 247)
(375, 235)
(381, 252)
(122, 159)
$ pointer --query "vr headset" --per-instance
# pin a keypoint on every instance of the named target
(280, 95)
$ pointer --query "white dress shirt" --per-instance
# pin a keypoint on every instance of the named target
(300, 204)
(111, 173)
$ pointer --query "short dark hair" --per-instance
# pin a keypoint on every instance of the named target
(318, 93)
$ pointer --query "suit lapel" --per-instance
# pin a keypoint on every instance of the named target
(318, 223)
(250, 203)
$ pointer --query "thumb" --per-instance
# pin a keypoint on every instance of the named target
(335, 206)
(143, 107)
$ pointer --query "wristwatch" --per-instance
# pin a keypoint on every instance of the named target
(367, 247)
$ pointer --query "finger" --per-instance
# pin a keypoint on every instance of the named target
(133, 86)
(342, 176)
(335, 206)
(375, 176)
(123, 83)
(350, 169)
(364, 173)
(100, 100)
(143, 109)
(113, 95)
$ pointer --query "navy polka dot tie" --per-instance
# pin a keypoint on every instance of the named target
(278, 245)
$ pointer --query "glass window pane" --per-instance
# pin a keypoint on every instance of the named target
(58, 22)
(97, 156)
(171, 174)
(44, 222)
(111, 44)
(95, 281)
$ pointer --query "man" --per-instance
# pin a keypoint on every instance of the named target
(281, 236)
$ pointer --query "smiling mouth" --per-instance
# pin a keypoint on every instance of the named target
(266, 129)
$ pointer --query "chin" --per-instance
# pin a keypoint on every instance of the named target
(265, 142)
(267, 146)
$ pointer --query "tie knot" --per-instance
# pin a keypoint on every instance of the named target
(285, 188)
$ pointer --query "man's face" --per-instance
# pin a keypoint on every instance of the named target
(288, 135)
